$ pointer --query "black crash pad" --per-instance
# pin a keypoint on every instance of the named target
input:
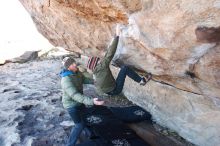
(93, 119)
(96, 142)
(100, 110)
(128, 142)
(110, 132)
(131, 114)
(115, 142)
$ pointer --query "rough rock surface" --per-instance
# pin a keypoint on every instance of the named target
(30, 104)
(177, 41)
(27, 56)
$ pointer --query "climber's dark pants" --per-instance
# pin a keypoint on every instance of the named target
(120, 80)
(75, 113)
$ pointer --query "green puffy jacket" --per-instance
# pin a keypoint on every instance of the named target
(104, 79)
(72, 87)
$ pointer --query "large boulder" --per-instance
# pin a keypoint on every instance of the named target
(177, 41)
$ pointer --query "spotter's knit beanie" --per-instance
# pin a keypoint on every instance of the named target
(67, 61)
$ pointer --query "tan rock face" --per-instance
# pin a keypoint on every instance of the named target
(177, 41)
(81, 26)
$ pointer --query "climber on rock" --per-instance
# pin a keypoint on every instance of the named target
(73, 99)
(104, 80)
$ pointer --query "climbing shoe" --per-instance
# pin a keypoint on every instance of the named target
(145, 79)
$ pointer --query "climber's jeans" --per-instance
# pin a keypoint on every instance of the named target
(75, 113)
(120, 80)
